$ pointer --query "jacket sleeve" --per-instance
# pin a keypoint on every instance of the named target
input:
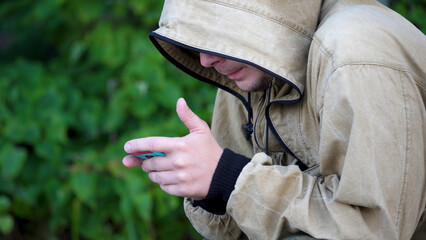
(212, 226)
(372, 165)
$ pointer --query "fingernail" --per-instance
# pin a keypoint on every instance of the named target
(184, 103)
(127, 147)
(125, 162)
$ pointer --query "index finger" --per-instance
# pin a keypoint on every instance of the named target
(157, 144)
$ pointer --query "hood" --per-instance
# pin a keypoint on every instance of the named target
(272, 35)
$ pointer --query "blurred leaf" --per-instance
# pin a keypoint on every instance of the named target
(59, 194)
(47, 8)
(76, 52)
(86, 11)
(143, 203)
(84, 185)
(11, 160)
(25, 198)
(139, 7)
(75, 219)
(4, 204)
(49, 151)
(108, 45)
(6, 223)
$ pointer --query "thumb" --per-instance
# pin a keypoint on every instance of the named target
(189, 118)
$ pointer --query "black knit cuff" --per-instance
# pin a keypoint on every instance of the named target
(224, 178)
(215, 206)
(223, 183)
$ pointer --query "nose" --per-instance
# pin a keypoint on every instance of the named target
(208, 60)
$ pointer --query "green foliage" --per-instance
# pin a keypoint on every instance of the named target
(6, 220)
(77, 80)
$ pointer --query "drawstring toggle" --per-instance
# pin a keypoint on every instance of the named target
(248, 127)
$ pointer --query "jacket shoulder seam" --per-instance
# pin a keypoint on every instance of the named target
(354, 63)
(408, 140)
(342, 65)
(336, 66)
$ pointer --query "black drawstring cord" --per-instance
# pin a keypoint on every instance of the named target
(248, 127)
(267, 122)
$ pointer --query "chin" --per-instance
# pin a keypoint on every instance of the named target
(252, 88)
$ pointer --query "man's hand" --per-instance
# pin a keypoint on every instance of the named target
(191, 161)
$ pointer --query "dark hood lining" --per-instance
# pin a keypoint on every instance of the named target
(154, 36)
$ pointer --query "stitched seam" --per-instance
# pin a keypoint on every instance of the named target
(420, 86)
(230, 230)
(407, 144)
(260, 204)
(309, 170)
(299, 128)
(330, 58)
(335, 67)
(322, 48)
(262, 16)
(371, 64)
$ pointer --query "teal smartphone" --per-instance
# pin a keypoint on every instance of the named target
(148, 154)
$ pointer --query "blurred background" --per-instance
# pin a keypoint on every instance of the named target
(77, 80)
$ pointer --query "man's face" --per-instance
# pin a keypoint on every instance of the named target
(246, 77)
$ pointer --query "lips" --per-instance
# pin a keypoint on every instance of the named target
(233, 74)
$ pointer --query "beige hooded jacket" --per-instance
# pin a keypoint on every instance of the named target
(348, 100)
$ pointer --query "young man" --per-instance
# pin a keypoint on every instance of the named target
(319, 125)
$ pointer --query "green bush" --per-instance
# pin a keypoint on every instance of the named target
(77, 80)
